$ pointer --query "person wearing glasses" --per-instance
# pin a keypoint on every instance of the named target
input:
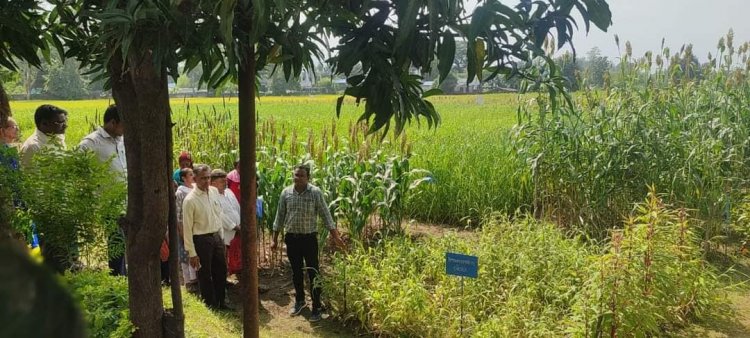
(9, 132)
(51, 122)
(202, 226)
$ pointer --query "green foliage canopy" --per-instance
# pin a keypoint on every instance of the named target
(378, 40)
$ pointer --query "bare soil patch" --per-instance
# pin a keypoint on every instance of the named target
(276, 293)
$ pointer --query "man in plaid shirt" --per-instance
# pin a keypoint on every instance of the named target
(299, 207)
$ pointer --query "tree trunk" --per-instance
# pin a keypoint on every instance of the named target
(4, 105)
(174, 323)
(140, 92)
(248, 191)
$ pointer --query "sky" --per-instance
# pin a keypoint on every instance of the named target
(645, 22)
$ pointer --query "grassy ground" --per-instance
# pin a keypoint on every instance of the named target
(274, 318)
(737, 327)
(736, 322)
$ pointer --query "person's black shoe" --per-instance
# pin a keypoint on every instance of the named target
(193, 287)
(298, 306)
(221, 307)
(316, 316)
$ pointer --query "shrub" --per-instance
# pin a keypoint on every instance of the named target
(75, 202)
(400, 286)
(104, 300)
(652, 275)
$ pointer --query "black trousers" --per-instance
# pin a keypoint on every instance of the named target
(164, 267)
(117, 264)
(212, 276)
(302, 250)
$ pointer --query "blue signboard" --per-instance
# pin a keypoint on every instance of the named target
(461, 265)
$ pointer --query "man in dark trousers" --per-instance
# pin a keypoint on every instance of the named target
(106, 142)
(299, 208)
(201, 221)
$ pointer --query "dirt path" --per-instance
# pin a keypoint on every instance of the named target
(277, 298)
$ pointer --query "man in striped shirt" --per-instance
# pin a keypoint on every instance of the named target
(300, 206)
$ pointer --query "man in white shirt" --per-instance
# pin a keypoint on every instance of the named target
(230, 207)
(51, 122)
(202, 226)
(106, 143)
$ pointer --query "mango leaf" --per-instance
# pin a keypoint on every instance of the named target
(479, 53)
(598, 13)
(446, 54)
(431, 92)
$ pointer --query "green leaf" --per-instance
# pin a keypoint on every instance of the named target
(406, 23)
(479, 52)
(226, 21)
(431, 92)
(598, 13)
(339, 103)
(446, 54)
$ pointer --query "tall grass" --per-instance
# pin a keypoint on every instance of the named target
(664, 123)
(534, 280)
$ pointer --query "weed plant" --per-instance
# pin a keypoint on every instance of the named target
(534, 280)
(651, 276)
(104, 302)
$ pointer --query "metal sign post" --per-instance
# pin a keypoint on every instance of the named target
(462, 307)
(463, 266)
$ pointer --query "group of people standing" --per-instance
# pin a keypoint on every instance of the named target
(208, 209)
(208, 214)
(51, 122)
(208, 218)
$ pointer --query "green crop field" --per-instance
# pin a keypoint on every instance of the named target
(607, 196)
(636, 190)
(467, 153)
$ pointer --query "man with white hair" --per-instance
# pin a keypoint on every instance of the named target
(230, 207)
(201, 221)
